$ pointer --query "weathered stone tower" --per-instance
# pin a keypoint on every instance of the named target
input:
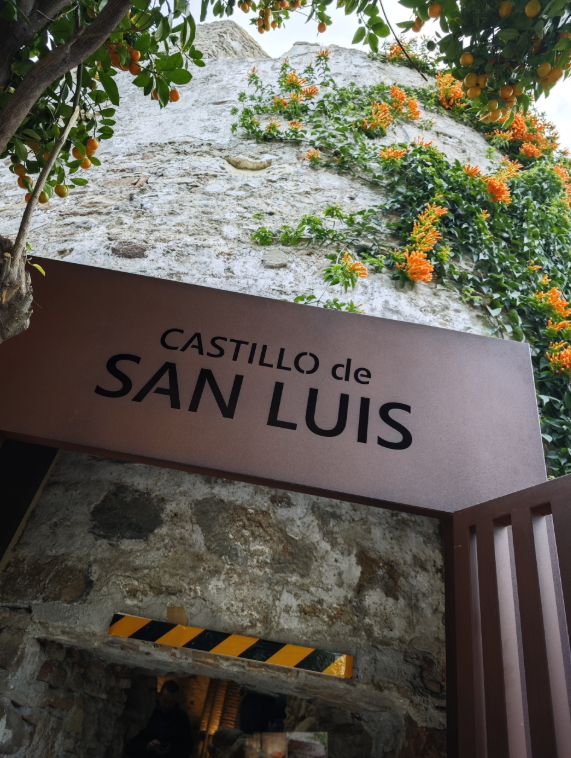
(108, 537)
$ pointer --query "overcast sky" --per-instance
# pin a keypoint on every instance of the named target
(277, 42)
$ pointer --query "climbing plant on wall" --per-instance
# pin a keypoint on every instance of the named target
(501, 239)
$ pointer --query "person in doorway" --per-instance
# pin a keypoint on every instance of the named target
(168, 731)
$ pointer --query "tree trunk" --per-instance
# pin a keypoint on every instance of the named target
(15, 293)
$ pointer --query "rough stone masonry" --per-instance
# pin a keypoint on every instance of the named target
(108, 536)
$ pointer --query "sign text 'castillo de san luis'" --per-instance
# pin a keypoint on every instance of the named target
(367, 409)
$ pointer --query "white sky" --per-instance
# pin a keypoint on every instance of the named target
(277, 42)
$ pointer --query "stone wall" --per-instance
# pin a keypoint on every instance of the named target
(64, 702)
(109, 537)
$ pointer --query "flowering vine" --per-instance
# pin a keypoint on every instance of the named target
(501, 238)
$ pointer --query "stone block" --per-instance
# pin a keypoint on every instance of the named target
(129, 250)
(54, 651)
(116, 695)
(96, 672)
(12, 731)
(56, 700)
(15, 619)
(11, 648)
(275, 259)
(250, 164)
(48, 729)
(52, 674)
(73, 722)
(68, 744)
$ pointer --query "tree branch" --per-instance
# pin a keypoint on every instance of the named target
(27, 217)
(55, 64)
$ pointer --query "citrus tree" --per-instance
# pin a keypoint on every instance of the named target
(58, 95)
(59, 63)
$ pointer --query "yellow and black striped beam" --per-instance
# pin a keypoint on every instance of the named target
(234, 645)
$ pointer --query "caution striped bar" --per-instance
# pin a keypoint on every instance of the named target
(234, 645)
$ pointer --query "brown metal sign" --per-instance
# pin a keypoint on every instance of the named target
(363, 409)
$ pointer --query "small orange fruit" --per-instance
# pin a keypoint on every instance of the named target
(86, 163)
(505, 8)
(174, 96)
(506, 92)
(321, 27)
(28, 197)
(482, 80)
(89, 152)
(46, 155)
(492, 105)
(434, 10)
(466, 59)
(20, 169)
(543, 69)
(155, 94)
(22, 181)
(115, 60)
(135, 55)
(519, 89)
(555, 74)
(274, 24)
(474, 92)
(77, 154)
(92, 144)
(471, 80)
(134, 68)
(532, 8)
(61, 190)
(43, 198)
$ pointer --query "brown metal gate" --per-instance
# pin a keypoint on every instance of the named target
(510, 616)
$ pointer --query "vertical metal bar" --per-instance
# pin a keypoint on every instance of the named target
(553, 636)
(561, 511)
(451, 647)
(481, 740)
(561, 616)
(496, 721)
(510, 646)
(541, 725)
(465, 687)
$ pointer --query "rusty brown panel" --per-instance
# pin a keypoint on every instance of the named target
(473, 417)
(464, 644)
(541, 725)
(496, 721)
